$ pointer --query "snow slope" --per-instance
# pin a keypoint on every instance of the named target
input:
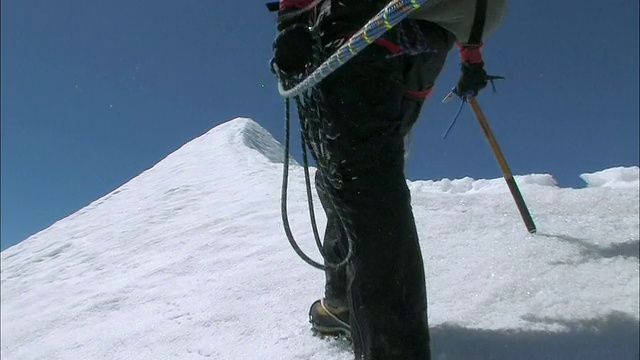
(189, 261)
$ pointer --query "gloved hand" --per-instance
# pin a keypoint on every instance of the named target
(473, 79)
(293, 47)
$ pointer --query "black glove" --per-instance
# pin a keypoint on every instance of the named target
(293, 47)
(473, 79)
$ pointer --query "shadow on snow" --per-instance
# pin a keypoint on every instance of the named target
(611, 337)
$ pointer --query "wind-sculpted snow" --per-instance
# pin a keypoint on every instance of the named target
(467, 184)
(614, 177)
(189, 260)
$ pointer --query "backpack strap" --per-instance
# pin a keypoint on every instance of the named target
(479, 18)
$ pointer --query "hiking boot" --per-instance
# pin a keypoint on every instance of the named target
(328, 320)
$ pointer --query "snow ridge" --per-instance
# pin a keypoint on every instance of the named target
(614, 177)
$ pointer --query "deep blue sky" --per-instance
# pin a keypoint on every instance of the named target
(94, 93)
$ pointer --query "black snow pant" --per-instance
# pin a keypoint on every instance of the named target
(368, 106)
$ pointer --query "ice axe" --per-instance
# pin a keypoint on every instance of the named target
(506, 172)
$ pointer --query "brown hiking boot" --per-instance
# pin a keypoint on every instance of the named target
(328, 320)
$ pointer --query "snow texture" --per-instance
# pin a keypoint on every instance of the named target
(189, 260)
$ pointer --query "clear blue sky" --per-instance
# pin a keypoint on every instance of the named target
(93, 93)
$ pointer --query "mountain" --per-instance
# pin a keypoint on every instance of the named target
(189, 260)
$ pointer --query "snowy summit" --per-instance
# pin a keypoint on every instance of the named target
(189, 260)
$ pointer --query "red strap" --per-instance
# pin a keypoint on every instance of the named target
(389, 45)
(420, 94)
(294, 4)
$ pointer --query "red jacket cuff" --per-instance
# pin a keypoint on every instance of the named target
(470, 55)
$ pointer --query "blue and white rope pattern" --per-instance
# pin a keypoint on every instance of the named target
(386, 19)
